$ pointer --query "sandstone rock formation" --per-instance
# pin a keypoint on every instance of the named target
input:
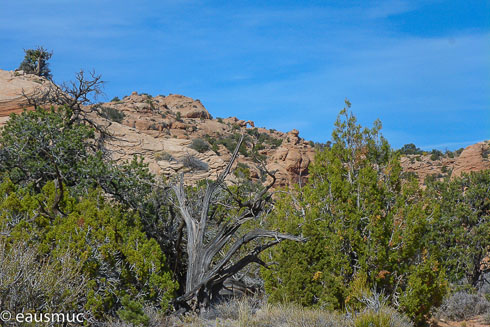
(473, 158)
(12, 84)
(162, 128)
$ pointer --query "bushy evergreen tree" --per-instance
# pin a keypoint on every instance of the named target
(364, 228)
(36, 62)
(461, 228)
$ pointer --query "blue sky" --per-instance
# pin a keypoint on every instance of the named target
(422, 67)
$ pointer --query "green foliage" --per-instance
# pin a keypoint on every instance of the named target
(42, 145)
(462, 224)
(112, 114)
(410, 149)
(199, 145)
(192, 162)
(361, 223)
(458, 152)
(436, 155)
(178, 116)
(132, 312)
(485, 153)
(116, 257)
(35, 62)
(229, 142)
(242, 171)
(372, 319)
(264, 138)
(115, 99)
(426, 288)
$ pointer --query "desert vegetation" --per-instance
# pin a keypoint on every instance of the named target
(360, 244)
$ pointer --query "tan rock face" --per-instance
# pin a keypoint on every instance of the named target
(473, 158)
(11, 86)
(187, 107)
(161, 129)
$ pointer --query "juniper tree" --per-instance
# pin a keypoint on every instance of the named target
(461, 228)
(36, 62)
(364, 229)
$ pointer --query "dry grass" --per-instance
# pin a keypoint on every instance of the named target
(463, 306)
(257, 313)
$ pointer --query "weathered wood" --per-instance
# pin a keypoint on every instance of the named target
(205, 274)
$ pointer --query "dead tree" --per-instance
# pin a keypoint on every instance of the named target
(79, 97)
(212, 255)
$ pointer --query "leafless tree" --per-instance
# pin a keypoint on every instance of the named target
(80, 97)
(213, 244)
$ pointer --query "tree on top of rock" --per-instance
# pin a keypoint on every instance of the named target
(35, 62)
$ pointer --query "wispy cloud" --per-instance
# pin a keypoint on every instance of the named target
(386, 9)
(281, 64)
(450, 145)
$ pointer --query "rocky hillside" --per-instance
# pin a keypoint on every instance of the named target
(175, 134)
(11, 86)
(472, 158)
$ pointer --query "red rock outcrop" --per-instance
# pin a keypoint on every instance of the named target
(473, 158)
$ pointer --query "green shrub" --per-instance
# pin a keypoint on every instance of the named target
(132, 312)
(383, 317)
(199, 145)
(426, 288)
(112, 114)
(242, 171)
(409, 149)
(462, 224)
(115, 99)
(38, 146)
(116, 258)
(163, 156)
(436, 155)
(192, 162)
(150, 102)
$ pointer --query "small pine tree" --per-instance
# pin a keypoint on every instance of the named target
(35, 62)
